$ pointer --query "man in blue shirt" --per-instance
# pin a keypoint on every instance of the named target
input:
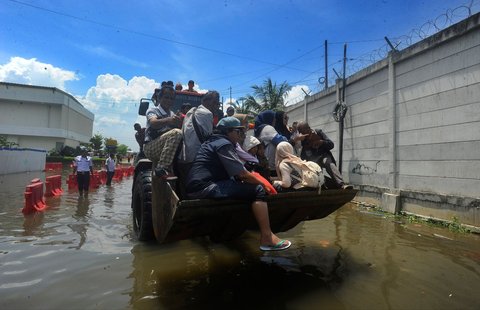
(217, 172)
(83, 167)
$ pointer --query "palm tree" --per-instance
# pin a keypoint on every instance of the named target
(246, 106)
(269, 96)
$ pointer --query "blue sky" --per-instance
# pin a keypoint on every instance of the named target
(109, 54)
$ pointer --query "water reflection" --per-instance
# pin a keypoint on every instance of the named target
(109, 197)
(81, 224)
(12, 183)
(32, 223)
(82, 209)
(199, 275)
(353, 259)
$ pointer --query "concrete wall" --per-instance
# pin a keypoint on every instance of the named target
(42, 117)
(15, 160)
(413, 126)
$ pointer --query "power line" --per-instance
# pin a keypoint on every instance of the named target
(148, 35)
(283, 66)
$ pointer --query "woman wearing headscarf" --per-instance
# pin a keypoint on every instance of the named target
(281, 121)
(289, 168)
(255, 162)
(266, 133)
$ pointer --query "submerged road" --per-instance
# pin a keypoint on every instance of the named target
(80, 254)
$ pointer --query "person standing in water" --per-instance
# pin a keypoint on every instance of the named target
(110, 167)
(83, 167)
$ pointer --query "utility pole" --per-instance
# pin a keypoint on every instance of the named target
(230, 95)
(326, 64)
(344, 108)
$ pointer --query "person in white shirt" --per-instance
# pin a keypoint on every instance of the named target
(110, 167)
(83, 167)
(163, 134)
(196, 128)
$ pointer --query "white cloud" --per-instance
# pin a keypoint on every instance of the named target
(109, 121)
(88, 104)
(296, 94)
(33, 72)
(115, 89)
(115, 102)
(113, 99)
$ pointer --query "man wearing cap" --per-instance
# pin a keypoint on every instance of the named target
(162, 136)
(217, 172)
(83, 167)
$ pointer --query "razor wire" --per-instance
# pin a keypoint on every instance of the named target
(427, 29)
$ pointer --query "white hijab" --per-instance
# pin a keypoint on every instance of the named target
(286, 153)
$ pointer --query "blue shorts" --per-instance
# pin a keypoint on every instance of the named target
(232, 189)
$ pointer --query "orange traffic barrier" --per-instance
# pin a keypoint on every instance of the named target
(118, 176)
(72, 181)
(131, 170)
(53, 166)
(126, 170)
(53, 186)
(103, 176)
(34, 197)
(95, 180)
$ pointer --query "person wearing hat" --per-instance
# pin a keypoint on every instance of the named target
(257, 162)
(251, 145)
(83, 167)
(163, 134)
(218, 172)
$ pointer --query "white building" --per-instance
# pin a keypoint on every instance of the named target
(43, 117)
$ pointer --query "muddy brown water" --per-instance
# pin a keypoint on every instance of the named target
(80, 254)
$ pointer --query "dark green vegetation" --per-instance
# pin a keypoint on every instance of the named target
(268, 96)
(454, 225)
(5, 143)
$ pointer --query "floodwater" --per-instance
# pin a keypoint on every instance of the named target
(80, 254)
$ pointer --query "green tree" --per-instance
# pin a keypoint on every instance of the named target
(5, 143)
(245, 106)
(268, 96)
(96, 142)
(122, 149)
(110, 145)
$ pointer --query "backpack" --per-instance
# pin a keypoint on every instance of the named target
(313, 175)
